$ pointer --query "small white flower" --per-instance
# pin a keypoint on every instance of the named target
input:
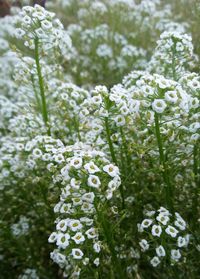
(120, 121)
(155, 261)
(37, 153)
(91, 168)
(65, 208)
(88, 197)
(87, 207)
(75, 184)
(175, 254)
(171, 96)
(77, 254)
(62, 225)
(91, 233)
(180, 223)
(76, 163)
(94, 181)
(97, 247)
(162, 218)
(75, 225)
(46, 25)
(111, 170)
(62, 240)
(146, 223)
(159, 105)
(53, 237)
(160, 251)
(181, 242)
(171, 231)
(156, 230)
(78, 238)
(144, 245)
(96, 261)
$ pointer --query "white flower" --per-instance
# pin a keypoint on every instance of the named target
(53, 237)
(181, 242)
(146, 223)
(94, 181)
(144, 245)
(171, 231)
(111, 170)
(77, 254)
(78, 238)
(62, 225)
(156, 230)
(75, 225)
(155, 261)
(75, 184)
(180, 223)
(120, 121)
(162, 218)
(160, 251)
(175, 254)
(164, 211)
(65, 208)
(77, 201)
(37, 153)
(91, 233)
(87, 207)
(159, 105)
(46, 25)
(91, 168)
(171, 96)
(88, 197)
(62, 240)
(97, 247)
(76, 162)
(96, 261)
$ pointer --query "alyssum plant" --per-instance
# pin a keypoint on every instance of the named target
(97, 181)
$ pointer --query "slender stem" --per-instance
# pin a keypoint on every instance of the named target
(174, 62)
(108, 234)
(36, 94)
(196, 179)
(168, 186)
(41, 86)
(112, 152)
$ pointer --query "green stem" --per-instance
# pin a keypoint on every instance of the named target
(41, 86)
(36, 94)
(108, 234)
(196, 179)
(168, 186)
(112, 152)
(174, 62)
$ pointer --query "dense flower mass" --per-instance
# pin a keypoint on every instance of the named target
(99, 139)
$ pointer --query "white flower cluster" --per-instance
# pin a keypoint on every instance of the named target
(90, 179)
(29, 273)
(173, 54)
(165, 234)
(20, 228)
(37, 25)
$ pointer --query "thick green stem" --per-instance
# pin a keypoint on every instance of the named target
(41, 86)
(166, 178)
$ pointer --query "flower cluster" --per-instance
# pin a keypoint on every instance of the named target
(20, 228)
(164, 235)
(38, 26)
(90, 182)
